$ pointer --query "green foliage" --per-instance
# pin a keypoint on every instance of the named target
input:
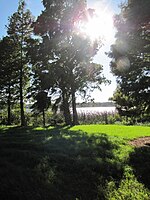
(8, 75)
(128, 189)
(131, 61)
(14, 118)
(36, 119)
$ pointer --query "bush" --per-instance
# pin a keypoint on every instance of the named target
(128, 189)
(36, 119)
(15, 117)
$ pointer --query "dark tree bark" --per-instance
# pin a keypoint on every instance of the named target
(9, 107)
(66, 110)
(74, 110)
(43, 113)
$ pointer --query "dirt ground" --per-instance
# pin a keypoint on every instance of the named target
(142, 141)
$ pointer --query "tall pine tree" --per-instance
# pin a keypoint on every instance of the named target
(20, 30)
(8, 74)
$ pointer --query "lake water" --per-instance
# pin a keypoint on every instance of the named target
(89, 109)
(95, 109)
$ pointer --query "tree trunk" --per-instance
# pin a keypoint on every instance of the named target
(21, 96)
(8, 107)
(23, 123)
(74, 110)
(66, 110)
(43, 113)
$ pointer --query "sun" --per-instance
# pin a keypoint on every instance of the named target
(97, 25)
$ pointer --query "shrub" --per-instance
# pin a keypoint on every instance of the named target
(128, 189)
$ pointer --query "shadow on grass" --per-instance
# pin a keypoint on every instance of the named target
(56, 164)
(140, 161)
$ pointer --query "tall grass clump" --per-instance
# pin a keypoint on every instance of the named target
(99, 117)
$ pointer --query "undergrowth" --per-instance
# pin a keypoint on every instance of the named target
(128, 189)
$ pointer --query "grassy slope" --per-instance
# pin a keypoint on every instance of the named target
(65, 163)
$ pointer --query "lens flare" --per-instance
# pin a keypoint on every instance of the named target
(123, 64)
(98, 25)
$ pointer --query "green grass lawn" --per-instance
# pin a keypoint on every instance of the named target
(92, 162)
(128, 132)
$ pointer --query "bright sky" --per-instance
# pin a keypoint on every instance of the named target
(7, 8)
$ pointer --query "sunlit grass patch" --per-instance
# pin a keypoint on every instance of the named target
(4, 128)
(128, 132)
(39, 128)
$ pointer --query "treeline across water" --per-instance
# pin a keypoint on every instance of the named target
(96, 104)
(89, 117)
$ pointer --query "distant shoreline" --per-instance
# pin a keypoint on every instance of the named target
(96, 104)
